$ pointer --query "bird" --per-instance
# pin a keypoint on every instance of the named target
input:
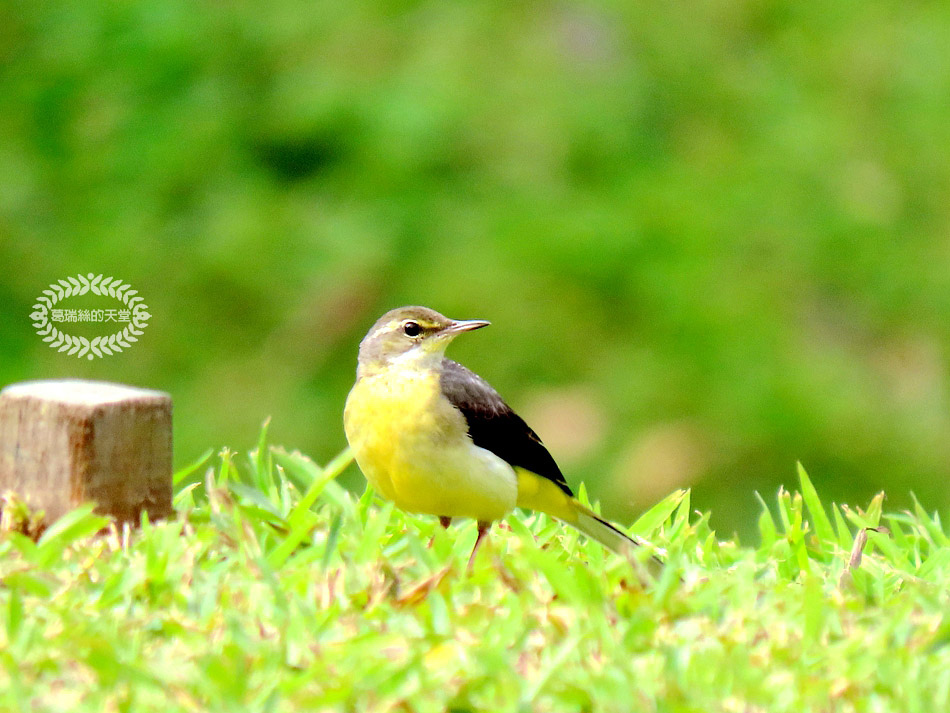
(435, 438)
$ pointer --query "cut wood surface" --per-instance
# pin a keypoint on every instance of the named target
(68, 441)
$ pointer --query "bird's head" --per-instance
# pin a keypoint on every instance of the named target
(411, 335)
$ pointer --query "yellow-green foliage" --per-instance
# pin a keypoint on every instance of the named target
(274, 589)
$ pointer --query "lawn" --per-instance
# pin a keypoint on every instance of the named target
(275, 589)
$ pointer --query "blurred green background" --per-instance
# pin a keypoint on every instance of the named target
(713, 237)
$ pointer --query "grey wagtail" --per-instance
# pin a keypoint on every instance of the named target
(436, 438)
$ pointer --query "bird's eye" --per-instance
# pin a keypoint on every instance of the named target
(412, 329)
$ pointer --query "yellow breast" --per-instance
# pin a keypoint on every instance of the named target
(412, 446)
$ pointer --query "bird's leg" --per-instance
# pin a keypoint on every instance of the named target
(445, 521)
(483, 528)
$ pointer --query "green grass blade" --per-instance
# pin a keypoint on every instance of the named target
(333, 537)
(931, 525)
(654, 518)
(261, 459)
(845, 537)
(767, 529)
(301, 526)
(189, 470)
(74, 525)
(257, 498)
(819, 518)
(875, 510)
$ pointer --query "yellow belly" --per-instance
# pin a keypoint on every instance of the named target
(413, 447)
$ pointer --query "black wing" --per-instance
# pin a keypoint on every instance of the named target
(494, 426)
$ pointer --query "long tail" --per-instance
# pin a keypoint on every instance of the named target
(599, 529)
(537, 493)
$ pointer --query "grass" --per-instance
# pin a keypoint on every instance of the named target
(274, 589)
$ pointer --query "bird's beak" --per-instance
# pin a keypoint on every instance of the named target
(464, 325)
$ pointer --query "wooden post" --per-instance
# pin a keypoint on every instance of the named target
(68, 441)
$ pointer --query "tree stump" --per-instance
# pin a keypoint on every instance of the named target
(66, 442)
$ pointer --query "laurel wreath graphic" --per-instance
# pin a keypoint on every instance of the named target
(99, 346)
